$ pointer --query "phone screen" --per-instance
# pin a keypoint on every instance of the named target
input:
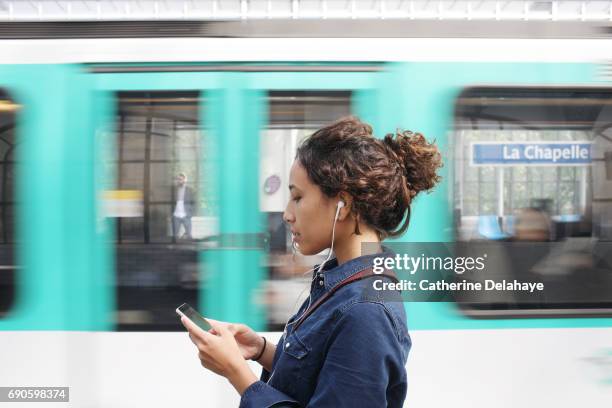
(194, 316)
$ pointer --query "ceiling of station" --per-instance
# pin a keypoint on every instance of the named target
(207, 10)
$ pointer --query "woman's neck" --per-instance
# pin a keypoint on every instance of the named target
(351, 247)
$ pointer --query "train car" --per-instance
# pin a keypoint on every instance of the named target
(95, 132)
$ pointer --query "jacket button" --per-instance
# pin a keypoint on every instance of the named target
(287, 345)
(321, 283)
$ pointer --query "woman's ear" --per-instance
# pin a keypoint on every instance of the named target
(345, 211)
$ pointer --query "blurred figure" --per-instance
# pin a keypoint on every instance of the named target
(184, 207)
(532, 224)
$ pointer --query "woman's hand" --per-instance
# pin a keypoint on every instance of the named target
(219, 352)
(249, 342)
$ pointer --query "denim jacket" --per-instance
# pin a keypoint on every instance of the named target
(350, 352)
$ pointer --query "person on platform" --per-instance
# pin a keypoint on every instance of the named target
(183, 208)
(347, 346)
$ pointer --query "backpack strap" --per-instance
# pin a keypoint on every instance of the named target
(366, 273)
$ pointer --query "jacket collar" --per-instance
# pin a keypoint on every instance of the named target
(334, 273)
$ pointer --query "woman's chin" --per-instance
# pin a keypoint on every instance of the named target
(303, 250)
(309, 251)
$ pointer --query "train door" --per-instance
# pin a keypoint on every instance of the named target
(47, 231)
(153, 182)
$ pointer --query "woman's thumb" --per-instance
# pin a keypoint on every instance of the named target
(219, 327)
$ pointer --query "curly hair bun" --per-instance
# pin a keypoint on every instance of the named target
(418, 159)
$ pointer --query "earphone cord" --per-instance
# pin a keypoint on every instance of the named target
(318, 271)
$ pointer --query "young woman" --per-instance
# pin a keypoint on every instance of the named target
(347, 189)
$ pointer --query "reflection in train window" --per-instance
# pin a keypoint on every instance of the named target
(161, 214)
(534, 165)
(8, 146)
(293, 115)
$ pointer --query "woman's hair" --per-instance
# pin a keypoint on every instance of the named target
(382, 175)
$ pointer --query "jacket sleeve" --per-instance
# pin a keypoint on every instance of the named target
(261, 395)
(365, 363)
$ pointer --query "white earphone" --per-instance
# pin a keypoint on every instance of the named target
(331, 250)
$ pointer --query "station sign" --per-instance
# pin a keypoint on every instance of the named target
(530, 153)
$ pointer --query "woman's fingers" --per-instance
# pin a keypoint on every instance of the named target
(216, 352)
(206, 355)
(203, 358)
(231, 327)
(220, 327)
(237, 328)
(196, 334)
(209, 320)
(216, 325)
(187, 324)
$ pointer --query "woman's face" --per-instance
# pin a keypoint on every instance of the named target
(309, 213)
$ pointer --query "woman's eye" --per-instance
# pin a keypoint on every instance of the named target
(297, 199)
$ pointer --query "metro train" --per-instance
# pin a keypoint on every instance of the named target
(94, 131)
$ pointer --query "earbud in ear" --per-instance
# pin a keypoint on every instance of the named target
(338, 207)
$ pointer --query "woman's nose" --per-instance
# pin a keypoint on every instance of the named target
(288, 217)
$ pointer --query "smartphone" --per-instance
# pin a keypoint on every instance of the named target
(190, 313)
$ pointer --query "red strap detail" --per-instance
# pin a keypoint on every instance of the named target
(356, 277)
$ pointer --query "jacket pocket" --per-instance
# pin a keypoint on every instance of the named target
(295, 347)
(292, 368)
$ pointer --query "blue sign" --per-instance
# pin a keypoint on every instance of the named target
(531, 153)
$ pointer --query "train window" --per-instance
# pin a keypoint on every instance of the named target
(8, 202)
(158, 205)
(533, 181)
(293, 115)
